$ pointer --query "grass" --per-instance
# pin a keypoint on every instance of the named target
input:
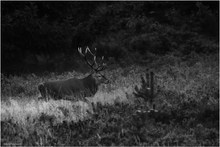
(187, 95)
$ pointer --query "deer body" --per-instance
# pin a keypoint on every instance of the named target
(73, 87)
(70, 87)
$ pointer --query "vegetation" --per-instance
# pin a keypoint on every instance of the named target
(188, 112)
(42, 36)
(177, 43)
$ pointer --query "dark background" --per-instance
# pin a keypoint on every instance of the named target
(44, 36)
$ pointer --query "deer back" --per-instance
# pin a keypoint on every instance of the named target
(70, 87)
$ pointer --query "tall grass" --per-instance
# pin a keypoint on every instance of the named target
(187, 85)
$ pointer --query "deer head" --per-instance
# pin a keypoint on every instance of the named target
(96, 68)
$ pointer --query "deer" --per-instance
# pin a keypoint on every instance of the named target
(74, 87)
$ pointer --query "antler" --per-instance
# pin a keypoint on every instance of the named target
(97, 67)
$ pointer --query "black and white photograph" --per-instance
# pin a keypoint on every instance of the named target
(109, 73)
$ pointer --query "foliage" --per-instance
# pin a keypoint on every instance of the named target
(116, 124)
(187, 101)
(45, 36)
(146, 89)
(179, 43)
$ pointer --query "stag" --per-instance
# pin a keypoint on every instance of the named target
(73, 87)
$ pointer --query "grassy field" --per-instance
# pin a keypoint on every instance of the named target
(187, 97)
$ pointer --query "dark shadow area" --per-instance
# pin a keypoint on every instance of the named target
(40, 37)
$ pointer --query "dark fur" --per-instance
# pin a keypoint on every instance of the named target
(71, 87)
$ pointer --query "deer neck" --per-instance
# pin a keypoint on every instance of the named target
(90, 84)
(89, 80)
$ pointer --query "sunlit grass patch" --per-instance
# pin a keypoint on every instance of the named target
(23, 113)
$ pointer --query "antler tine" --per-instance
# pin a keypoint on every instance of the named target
(102, 66)
(84, 57)
(97, 67)
(87, 49)
(80, 51)
(93, 54)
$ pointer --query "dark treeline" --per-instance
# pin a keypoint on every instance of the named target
(44, 36)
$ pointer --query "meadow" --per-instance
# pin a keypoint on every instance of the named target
(186, 95)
